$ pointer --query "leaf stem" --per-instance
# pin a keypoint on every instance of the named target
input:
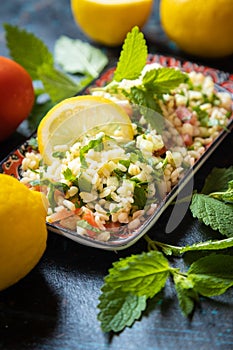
(150, 243)
(167, 248)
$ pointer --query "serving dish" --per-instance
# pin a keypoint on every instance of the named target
(123, 239)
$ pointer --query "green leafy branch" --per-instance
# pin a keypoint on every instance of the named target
(135, 279)
(146, 89)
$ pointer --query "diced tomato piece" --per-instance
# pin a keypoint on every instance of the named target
(78, 211)
(184, 114)
(89, 217)
(188, 140)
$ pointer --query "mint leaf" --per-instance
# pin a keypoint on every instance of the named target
(119, 309)
(218, 180)
(68, 175)
(143, 274)
(141, 97)
(149, 107)
(26, 49)
(207, 245)
(212, 275)
(56, 83)
(93, 144)
(186, 295)
(202, 116)
(76, 56)
(213, 213)
(84, 224)
(133, 56)
(225, 196)
(163, 80)
(140, 197)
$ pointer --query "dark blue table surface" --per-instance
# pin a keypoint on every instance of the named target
(55, 306)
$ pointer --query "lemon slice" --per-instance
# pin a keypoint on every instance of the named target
(74, 117)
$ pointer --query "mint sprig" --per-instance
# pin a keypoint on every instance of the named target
(133, 56)
(154, 83)
(168, 249)
(147, 89)
(137, 278)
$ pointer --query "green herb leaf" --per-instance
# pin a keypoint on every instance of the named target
(93, 144)
(143, 274)
(140, 197)
(52, 186)
(207, 245)
(119, 309)
(141, 97)
(84, 183)
(212, 275)
(56, 83)
(149, 107)
(218, 180)
(213, 213)
(26, 49)
(84, 224)
(76, 56)
(202, 115)
(187, 296)
(133, 56)
(58, 154)
(163, 80)
(225, 196)
(68, 175)
(33, 143)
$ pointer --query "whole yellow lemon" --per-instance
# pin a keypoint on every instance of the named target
(199, 27)
(108, 21)
(23, 232)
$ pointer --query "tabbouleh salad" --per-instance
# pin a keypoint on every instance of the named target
(102, 183)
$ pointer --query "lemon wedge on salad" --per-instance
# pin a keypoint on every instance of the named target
(74, 117)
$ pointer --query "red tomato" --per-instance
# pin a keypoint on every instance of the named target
(16, 96)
